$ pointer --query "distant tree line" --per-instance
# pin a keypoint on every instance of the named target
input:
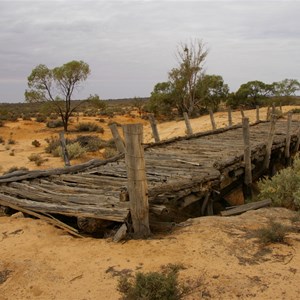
(190, 90)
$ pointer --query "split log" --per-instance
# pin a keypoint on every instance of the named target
(229, 117)
(120, 234)
(269, 143)
(212, 120)
(257, 113)
(246, 207)
(189, 129)
(154, 128)
(64, 149)
(137, 181)
(117, 138)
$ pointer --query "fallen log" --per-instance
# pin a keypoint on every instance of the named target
(246, 207)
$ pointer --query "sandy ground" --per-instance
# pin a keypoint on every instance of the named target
(24, 132)
(39, 261)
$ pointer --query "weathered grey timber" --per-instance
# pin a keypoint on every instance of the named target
(180, 171)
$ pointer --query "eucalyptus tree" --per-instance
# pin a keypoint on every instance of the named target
(57, 87)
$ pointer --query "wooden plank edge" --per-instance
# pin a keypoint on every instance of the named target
(246, 207)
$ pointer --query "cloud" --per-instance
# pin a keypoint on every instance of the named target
(130, 45)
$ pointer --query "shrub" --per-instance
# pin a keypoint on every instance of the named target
(12, 118)
(90, 127)
(75, 150)
(91, 142)
(273, 233)
(55, 123)
(53, 116)
(14, 169)
(101, 120)
(110, 152)
(2, 123)
(150, 286)
(36, 158)
(36, 143)
(11, 141)
(2, 141)
(283, 188)
(53, 144)
(41, 118)
(12, 152)
(26, 117)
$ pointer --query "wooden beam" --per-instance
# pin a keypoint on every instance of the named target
(257, 113)
(64, 149)
(117, 138)
(137, 181)
(287, 153)
(154, 128)
(246, 207)
(189, 129)
(229, 117)
(269, 143)
(212, 120)
(247, 159)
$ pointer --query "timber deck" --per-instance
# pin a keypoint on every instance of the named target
(180, 172)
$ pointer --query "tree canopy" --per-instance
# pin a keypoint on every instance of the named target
(57, 86)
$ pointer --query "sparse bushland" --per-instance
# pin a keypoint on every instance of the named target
(37, 159)
(54, 123)
(156, 285)
(274, 232)
(89, 127)
(14, 169)
(36, 143)
(283, 188)
(75, 150)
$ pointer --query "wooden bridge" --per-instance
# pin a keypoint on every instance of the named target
(186, 176)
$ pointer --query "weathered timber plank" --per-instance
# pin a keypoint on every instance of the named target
(246, 207)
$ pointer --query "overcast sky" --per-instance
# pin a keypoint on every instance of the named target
(131, 45)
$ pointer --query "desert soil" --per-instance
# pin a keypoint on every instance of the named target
(39, 261)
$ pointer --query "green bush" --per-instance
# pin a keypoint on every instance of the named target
(54, 123)
(273, 233)
(110, 152)
(75, 150)
(150, 286)
(26, 117)
(91, 142)
(14, 169)
(53, 144)
(283, 188)
(89, 127)
(36, 143)
(41, 118)
(36, 158)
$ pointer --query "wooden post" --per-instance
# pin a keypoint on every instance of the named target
(189, 129)
(247, 159)
(242, 113)
(296, 149)
(269, 143)
(257, 113)
(154, 128)
(273, 109)
(64, 149)
(212, 119)
(117, 138)
(137, 181)
(287, 153)
(268, 113)
(229, 117)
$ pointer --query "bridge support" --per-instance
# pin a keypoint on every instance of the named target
(247, 160)
(137, 181)
(154, 128)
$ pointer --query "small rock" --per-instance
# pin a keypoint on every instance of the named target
(17, 215)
